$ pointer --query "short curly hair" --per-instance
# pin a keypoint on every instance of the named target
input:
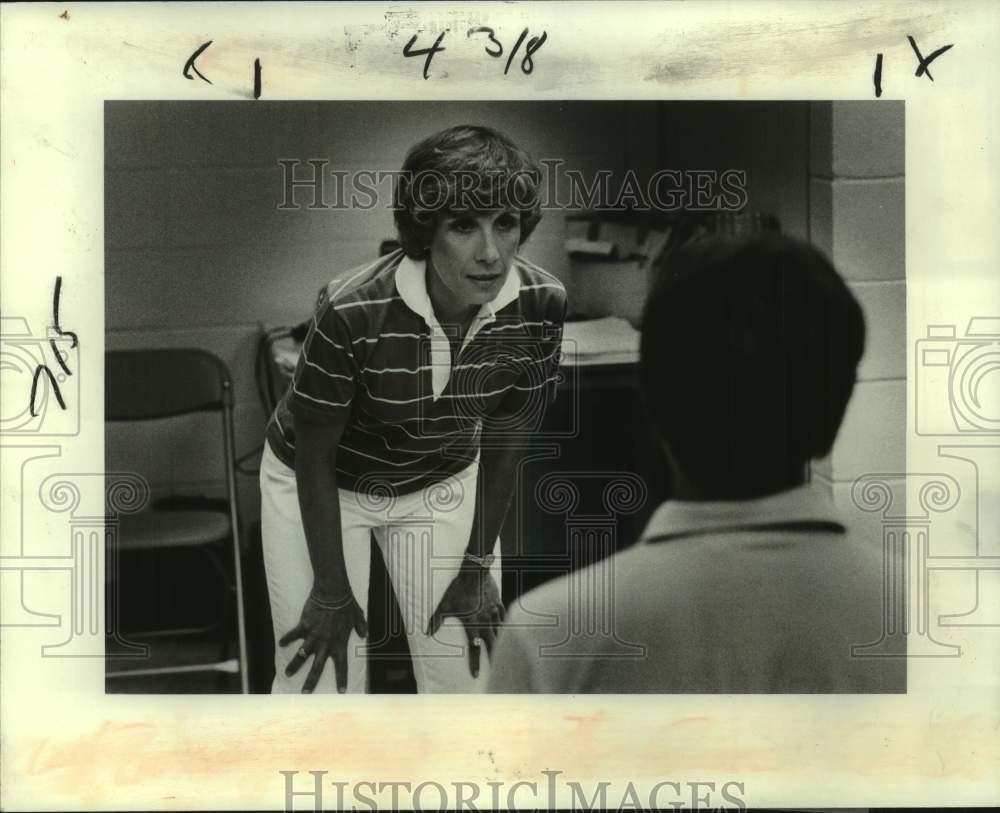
(461, 169)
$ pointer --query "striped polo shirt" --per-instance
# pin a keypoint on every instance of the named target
(376, 356)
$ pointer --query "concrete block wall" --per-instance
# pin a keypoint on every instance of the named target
(857, 217)
(197, 252)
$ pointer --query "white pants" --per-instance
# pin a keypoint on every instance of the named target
(422, 537)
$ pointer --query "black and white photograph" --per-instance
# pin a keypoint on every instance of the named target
(556, 397)
(499, 405)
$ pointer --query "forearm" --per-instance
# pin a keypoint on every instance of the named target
(320, 507)
(495, 488)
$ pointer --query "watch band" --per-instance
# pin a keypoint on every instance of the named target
(483, 561)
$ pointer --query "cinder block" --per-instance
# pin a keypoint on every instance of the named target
(238, 285)
(857, 139)
(198, 206)
(872, 437)
(860, 226)
(869, 229)
(868, 139)
(206, 134)
(884, 305)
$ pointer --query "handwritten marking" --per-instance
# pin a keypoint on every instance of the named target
(429, 52)
(190, 66)
(44, 368)
(56, 295)
(485, 29)
(493, 47)
(925, 63)
(513, 51)
(59, 355)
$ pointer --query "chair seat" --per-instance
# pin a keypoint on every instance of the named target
(172, 529)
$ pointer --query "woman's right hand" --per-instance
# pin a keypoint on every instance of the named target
(325, 633)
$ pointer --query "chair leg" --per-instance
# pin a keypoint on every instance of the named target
(223, 626)
(241, 632)
(232, 610)
(234, 585)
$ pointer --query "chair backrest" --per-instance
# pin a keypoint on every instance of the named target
(146, 384)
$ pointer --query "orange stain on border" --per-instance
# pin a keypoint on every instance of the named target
(585, 718)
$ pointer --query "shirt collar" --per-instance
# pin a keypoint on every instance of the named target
(411, 282)
(805, 503)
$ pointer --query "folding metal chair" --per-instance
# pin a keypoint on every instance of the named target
(151, 385)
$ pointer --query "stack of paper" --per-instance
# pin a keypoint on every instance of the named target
(610, 340)
(592, 248)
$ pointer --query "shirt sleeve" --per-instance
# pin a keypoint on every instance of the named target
(524, 406)
(512, 667)
(324, 382)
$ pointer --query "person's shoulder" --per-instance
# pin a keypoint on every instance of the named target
(549, 598)
(540, 290)
(635, 565)
(862, 551)
(536, 279)
(371, 283)
(538, 616)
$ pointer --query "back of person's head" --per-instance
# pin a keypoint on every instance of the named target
(748, 360)
(460, 169)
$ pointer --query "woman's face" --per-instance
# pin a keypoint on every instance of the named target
(470, 254)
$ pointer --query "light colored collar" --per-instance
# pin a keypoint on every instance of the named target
(805, 503)
(411, 282)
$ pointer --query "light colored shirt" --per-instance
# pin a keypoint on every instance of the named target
(718, 606)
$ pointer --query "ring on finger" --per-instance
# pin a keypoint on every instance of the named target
(477, 642)
(302, 652)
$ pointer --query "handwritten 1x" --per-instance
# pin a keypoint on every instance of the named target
(923, 64)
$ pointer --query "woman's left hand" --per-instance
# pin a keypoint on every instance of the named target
(474, 598)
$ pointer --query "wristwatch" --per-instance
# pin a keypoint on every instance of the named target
(485, 562)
